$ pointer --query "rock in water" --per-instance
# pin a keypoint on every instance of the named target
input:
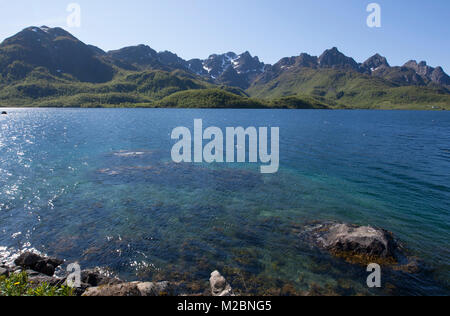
(219, 286)
(356, 244)
(35, 262)
(4, 113)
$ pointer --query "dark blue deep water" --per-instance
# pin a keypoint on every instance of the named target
(98, 186)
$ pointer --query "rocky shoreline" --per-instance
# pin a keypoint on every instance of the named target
(358, 245)
(94, 282)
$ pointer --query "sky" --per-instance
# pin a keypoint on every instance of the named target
(270, 29)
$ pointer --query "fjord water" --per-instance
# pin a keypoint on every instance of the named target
(98, 186)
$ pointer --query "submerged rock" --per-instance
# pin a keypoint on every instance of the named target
(131, 289)
(35, 262)
(219, 286)
(355, 244)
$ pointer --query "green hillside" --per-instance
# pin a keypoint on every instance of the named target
(211, 98)
(42, 89)
(349, 89)
(153, 88)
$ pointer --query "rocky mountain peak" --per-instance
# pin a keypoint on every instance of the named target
(440, 77)
(333, 58)
(436, 75)
(376, 61)
(306, 60)
(420, 68)
(244, 65)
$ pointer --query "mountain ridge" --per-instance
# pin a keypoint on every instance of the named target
(55, 55)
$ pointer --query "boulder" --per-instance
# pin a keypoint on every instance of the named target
(156, 289)
(356, 244)
(95, 277)
(124, 289)
(4, 272)
(29, 260)
(37, 279)
(219, 285)
(132, 289)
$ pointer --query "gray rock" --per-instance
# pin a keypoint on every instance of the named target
(45, 267)
(219, 286)
(132, 289)
(4, 272)
(37, 279)
(156, 289)
(95, 277)
(29, 260)
(354, 243)
(124, 289)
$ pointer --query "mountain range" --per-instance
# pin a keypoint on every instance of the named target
(42, 66)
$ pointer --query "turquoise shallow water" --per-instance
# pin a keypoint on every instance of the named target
(98, 186)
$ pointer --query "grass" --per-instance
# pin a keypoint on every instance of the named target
(19, 285)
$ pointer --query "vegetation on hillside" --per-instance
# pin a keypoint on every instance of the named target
(349, 89)
(41, 89)
(306, 88)
(210, 98)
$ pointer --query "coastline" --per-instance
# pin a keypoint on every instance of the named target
(219, 109)
(356, 245)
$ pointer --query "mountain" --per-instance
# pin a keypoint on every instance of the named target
(43, 66)
(56, 51)
(333, 58)
(230, 68)
(375, 62)
(235, 70)
(435, 75)
(339, 79)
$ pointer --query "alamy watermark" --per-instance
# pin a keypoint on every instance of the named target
(374, 19)
(374, 279)
(74, 278)
(74, 18)
(231, 148)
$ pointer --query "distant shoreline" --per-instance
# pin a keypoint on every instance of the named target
(216, 108)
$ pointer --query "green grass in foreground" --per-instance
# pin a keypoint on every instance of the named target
(19, 285)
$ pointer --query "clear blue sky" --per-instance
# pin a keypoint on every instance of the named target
(271, 29)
